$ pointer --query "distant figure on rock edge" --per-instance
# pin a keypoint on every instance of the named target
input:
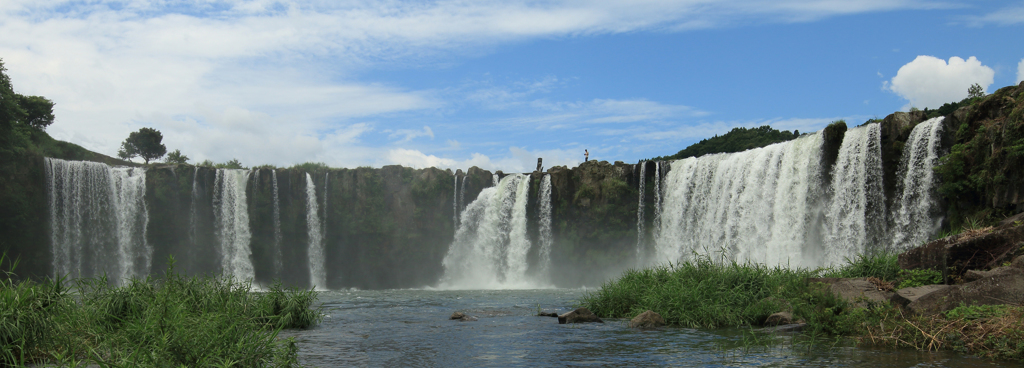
(586, 155)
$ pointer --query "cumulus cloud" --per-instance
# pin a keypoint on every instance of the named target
(929, 82)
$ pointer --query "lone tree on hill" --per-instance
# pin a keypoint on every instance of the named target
(144, 143)
(175, 157)
(975, 90)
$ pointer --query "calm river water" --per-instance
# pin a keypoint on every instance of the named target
(410, 328)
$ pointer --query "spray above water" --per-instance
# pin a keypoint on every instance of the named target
(491, 245)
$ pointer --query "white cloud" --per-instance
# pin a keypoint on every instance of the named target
(409, 134)
(930, 82)
(1006, 16)
(515, 160)
(1020, 71)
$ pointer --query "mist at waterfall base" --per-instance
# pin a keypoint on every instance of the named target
(776, 205)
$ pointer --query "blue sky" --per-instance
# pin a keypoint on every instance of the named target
(493, 84)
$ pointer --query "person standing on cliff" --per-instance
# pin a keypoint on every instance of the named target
(586, 155)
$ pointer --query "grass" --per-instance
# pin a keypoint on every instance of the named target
(154, 322)
(708, 294)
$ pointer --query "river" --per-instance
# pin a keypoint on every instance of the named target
(411, 328)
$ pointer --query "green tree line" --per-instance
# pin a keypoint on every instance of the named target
(736, 140)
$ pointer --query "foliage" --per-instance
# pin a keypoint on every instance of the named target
(175, 157)
(736, 140)
(144, 143)
(975, 90)
(38, 111)
(311, 167)
(700, 293)
(915, 278)
(174, 321)
(883, 266)
(231, 164)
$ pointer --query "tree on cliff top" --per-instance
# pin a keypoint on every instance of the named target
(175, 157)
(736, 140)
(144, 143)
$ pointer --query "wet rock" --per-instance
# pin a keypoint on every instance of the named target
(462, 317)
(1018, 262)
(973, 275)
(547, 314)
(780, 318)
(648, 319)
(788, 328)
(972, 250)
(905, 296)
(1007, 288)
(858, 291)
(580, 315)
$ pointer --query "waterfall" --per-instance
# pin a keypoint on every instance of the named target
(657, 199)
(231, 217)
(640, 211)
(317, 276)
(491, 245)
(756, 205)
(277, 226)
(916, 216)
(462, 195)
(455, 201)
(545, 224)
(323, 222)
(192, 213)
(855, 216)
(494, 179)
(98, 220)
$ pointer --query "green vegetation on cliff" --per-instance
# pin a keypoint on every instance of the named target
(167, 322)
(736, 140)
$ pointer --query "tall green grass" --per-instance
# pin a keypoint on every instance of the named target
(153, 322)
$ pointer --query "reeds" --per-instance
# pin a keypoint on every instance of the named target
(170, 321)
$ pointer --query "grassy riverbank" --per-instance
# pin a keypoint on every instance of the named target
(708, 294)
(170, 321)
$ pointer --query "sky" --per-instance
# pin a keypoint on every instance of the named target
(494, 84)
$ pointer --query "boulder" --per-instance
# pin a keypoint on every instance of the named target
(780, 318)
(459, 316)
(648, 319)
(1018, 262)
(971, 250)
(858, 291)
(973, 275)
(905, 296)
(1007, 288)
(580, 315)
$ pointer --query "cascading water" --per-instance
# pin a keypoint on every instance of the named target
(192, 213)
(545, 224)
(462, 195)
(455, 202)
(491, 245)
(916, 216)
(277, 227)
(657, 199)
(231, 217)
(317, 276)
(494, 179)
(640, 212)
(855, 215)
(757, 205)
(98, 220)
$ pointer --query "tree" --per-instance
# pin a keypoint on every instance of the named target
(38, 111)
(144, 143)
(175, 157)
(975, 90)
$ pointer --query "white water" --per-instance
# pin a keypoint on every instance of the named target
(455, 201)
(657, 199)
(277, 227)
(757, 205)
(462, 196)
(192, 212)
(98, 220)
(855, 215)
(494, 179)
(640, 213)
(491, 244)
(231, 217)
(546, 239)
(317, 275)
(916, 216)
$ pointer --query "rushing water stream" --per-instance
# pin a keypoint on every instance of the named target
(410, 328)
